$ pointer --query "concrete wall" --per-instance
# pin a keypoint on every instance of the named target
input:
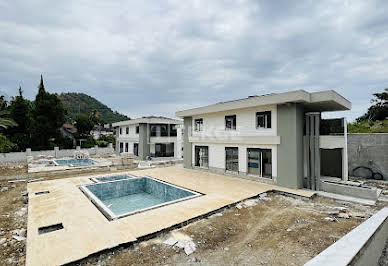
(370, 150)
(22, 156)
(361, 246)
(290, 151)
(144, 147)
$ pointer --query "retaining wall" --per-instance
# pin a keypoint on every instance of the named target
(369, 150)
(361, 246)
(14, 157)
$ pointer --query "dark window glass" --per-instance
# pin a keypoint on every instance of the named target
(121, 131)
(126, 147)
(263, 119)
(137, 129)
(121, 147)
(127, 130)
(198, 124)
(173, 130)
(202, 156)
(230, 122)
(136, 149)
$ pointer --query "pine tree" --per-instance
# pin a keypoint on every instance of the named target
(49, 116)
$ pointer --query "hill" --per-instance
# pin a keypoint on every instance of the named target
(76, 103)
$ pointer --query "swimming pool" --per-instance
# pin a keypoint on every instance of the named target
(111, 178)
(75, 162)
(116, 199)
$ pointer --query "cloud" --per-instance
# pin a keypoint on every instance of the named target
(157, 57)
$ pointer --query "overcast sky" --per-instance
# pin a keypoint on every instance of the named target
(157, 57)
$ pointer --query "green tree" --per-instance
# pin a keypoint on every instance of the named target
(49, 116)
(84, 125)
(95, 116)
(5, 121)
(21, 112)
(5, 144)
(378, 110)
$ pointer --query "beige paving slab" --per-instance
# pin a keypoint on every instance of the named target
(87, 230)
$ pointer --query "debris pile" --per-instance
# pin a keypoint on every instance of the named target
(181, 241)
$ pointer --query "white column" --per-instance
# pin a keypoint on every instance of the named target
(178, 144)
(345, 170)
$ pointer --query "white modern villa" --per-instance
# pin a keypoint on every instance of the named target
(273, 137)
(149, 136)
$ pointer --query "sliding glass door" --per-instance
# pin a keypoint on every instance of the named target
(260, 162)
(202, 156)
(231, 160)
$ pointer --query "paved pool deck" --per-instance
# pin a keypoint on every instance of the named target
(87, 231)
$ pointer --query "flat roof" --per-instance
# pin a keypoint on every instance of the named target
(148, 120)
(322, 101)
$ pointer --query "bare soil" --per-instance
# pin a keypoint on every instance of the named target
(278, 231)
(13, 216)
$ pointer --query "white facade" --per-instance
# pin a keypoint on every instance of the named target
(216, 137)
(128, 136)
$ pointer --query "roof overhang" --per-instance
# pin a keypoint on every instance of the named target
(317, 101)
(147, 121)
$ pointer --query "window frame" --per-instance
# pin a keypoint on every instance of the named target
(267, 115)
(196, 128)
(231, 160)
(234, 122)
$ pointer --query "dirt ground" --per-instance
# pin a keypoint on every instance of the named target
(279, 230)
(275, 230)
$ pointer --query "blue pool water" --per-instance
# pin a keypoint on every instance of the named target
(131, 195)
(75, 162)
(113, 178)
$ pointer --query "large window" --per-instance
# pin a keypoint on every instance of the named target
(164, 150)
(121, 131)
(121, 146)
(198, 124)
(126, 147)
(231, 160)
(159, 130)
(260, 162)
(263, 119)
(137, 129)
(127, 130)
(230, 122)
(202, 156)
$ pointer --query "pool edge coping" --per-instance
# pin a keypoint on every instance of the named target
(111, 216)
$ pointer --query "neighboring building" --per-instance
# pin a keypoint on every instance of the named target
(99, 131)
(271, 137)
(149, 136)
(68, 131)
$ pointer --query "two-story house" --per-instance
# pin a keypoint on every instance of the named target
(149, 136)
(271, 137)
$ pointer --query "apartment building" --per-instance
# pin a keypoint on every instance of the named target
(149, 136)
(274, 137)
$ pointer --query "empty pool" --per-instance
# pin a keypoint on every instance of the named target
(74, 162)
(121, 198)
(111, 178)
